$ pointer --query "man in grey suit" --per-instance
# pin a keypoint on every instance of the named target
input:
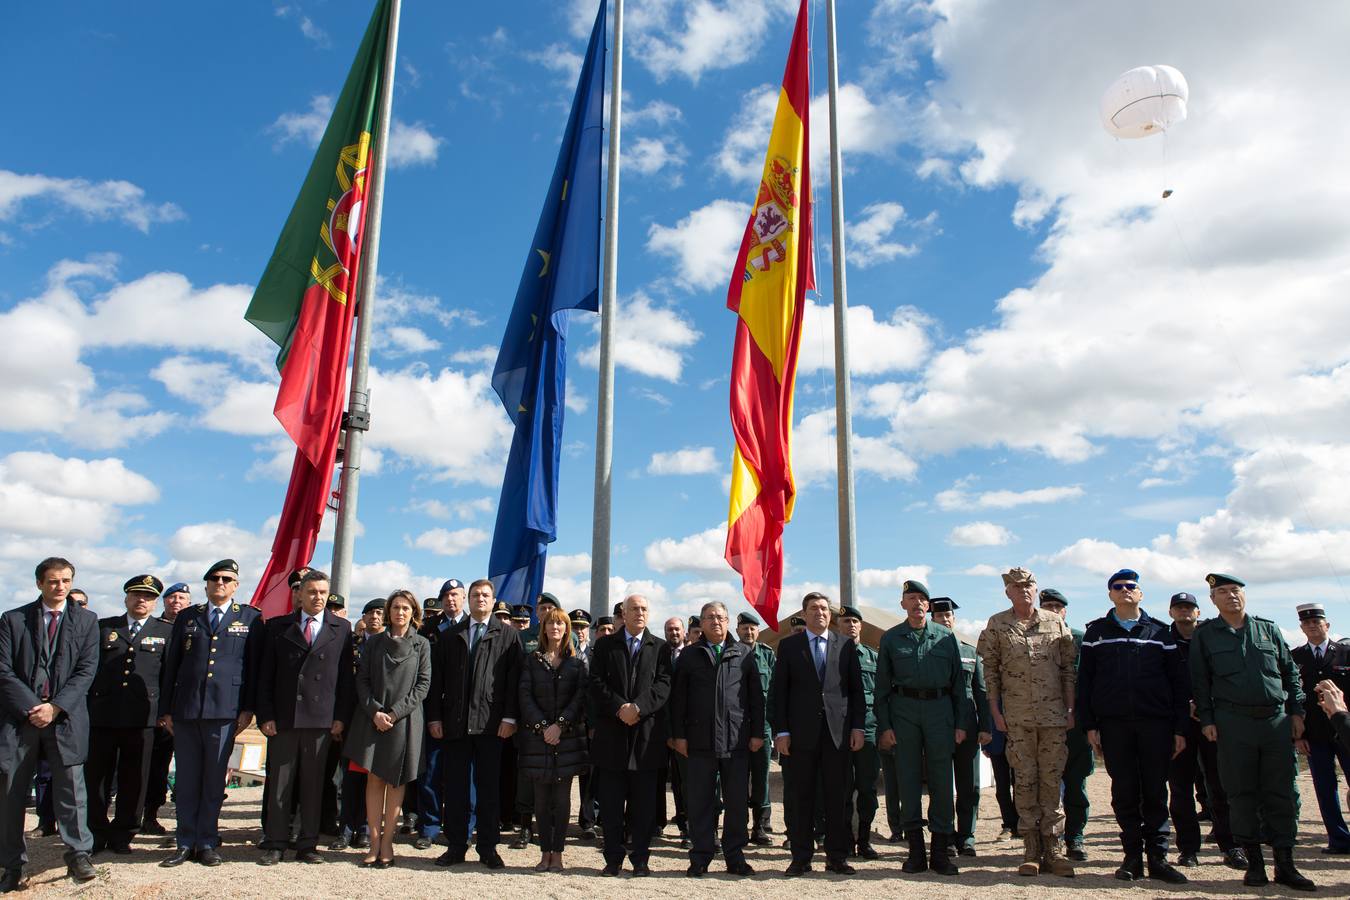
(48, 656)
(818, 717)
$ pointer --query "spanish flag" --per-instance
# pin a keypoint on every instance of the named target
(768, 294)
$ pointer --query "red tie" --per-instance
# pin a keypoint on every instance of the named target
(52, 620)
(309, 631)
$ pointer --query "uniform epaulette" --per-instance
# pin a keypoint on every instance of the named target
(1261, 619)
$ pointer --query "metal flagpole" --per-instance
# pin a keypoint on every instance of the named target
(604, 426)
(843, 416)
(358, 405)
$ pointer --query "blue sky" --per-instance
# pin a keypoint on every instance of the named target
(1053, 367)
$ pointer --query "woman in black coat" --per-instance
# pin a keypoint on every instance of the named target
(552, 737)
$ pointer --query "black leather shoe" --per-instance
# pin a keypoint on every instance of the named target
(840, 867)
(99, 846)
(269, 858)
(522, 841)
(209, 857)
(742, 868)
(12, 880)
(760, 839)
(1335, 851)
(796, 870)
(360, 842)
(1074, 851)
(611, 870)
(696, 870)
(79, 868)
(452, 857)
(339, 845)
(588, 834)
(1132, 869)
(1234, 858)
(867, 851)
(492, 859)
(422, 842)
(121, 849)
(1162, 870)
(641, 871)
(1189, 860)
(180, 856)
(313, 857)
(153, 827)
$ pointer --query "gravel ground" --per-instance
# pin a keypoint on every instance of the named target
(414, 875)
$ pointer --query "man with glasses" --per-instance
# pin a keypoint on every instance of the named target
(210, 682)
(1134, 703)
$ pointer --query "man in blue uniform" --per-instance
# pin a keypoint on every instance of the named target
(1320, 659)
(209, 686)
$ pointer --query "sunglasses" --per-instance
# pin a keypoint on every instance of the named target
(223, 579)
(1124, 586)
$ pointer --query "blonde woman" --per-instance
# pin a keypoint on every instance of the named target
(386, 735)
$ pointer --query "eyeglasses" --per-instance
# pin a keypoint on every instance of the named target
(223, 579)
(1125, 586)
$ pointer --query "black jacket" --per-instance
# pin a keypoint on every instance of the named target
(72, 674)
(302, 685)
(614, 682)
(472, 693)
(126, 687)
(551, 696)
(801, 702)
(717, 704)
(1335, 665)
(1135, 674)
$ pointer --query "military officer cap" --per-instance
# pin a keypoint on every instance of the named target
(940, 604)
(431, 604)
(1018, 575)
(696, 622)
(1183, 599)
(176, 587)
(850, 612)
(143, 584)
(604, 620)
(1123, 575)
(746, 618)
(1217, 579)
(580, 617)
(1053, 596)
(450, 585)
(1308, 611)
(336, 601)
(501, 607)
(546, 597)
(372, 606)
(796, 622)
(519, 613)
(914, 587)
(225, 565)
(293, 580)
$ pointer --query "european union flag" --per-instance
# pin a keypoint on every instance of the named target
(562, 273)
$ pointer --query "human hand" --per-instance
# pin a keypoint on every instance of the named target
(755, 744)
(553, 734)
(436, 729)
(1330, 697)
(1211, 732)
(783, 744)
(886, 740)
(985, 738)
(383, 721)
(505, 730)
(245, 718)
(268, 728)
(42, 715)
(682, 746)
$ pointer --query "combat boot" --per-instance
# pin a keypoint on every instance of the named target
(917, 861)
(940, 862)
(1256, 867)
(1161, 869)
(1132, 869)
(1053, 858)
(1031, 854)
(1286, 874)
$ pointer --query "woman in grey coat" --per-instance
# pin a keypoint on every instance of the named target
(386, 735)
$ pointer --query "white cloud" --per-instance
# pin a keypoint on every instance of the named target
(979, 534)
(306, 127)
(892, 578)
(703, 244)
(44, 495)
(700, 36)
(465, 510)
(868, 238)
(686, 461)
(982, 570)
(815, 459)
(657, 113)
(412, 145)
(701, 554)
(874, 347)
(96, 201)
(449, 543)
(959, 498)
(648, 339)
(569, 565)
(557, 58)
(404, 339)
(648, 156)
(227, 402)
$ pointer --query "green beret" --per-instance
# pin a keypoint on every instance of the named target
(1215, 579)
(696, 622)
(546, 597)
(336, 601)
(796, 622)
(372, 606)
(850, 612)
(915, 587)
(746, 618)
(225, 565)
(1053, 596)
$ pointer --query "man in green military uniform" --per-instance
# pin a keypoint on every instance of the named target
(1249, 699)
(966, 760)
(747, 631)
(1079, 766)
(923, 709)
(867, 761)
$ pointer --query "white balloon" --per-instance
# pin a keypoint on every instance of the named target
(1144, 102)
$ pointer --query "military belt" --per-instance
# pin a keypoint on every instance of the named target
(1255, 712)
(925, 693)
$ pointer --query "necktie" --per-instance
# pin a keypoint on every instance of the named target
(634, 645)
(309, 630)
(820, 658)
(717, 652)
(216, 616)
(53, 619)
(135, 629)
(1317, 651)
(477, 636)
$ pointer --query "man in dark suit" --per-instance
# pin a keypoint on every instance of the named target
(210, 685)
(472, 707)
(818, 719)
(48, 655)
(1318, 660)
(630, 685)
(429, 790)
(176, 598)
(305, 698)
(123, 708)
(716, 722)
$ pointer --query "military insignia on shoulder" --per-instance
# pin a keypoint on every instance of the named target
(187, 644)
(112, 637)
(234, 607)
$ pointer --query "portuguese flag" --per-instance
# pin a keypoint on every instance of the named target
(768, 293)
(305, 303)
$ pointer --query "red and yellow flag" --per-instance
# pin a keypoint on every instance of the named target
(768, 292)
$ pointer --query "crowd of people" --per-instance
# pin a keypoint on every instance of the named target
(453, 719)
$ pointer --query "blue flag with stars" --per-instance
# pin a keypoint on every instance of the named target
(562, 273)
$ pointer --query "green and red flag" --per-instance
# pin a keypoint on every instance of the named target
(305, 302)
(768, 293)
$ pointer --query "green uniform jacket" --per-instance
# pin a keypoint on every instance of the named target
(927, 659)
(1243, 669)
(974, 670)
(867, 661)
(765, 658)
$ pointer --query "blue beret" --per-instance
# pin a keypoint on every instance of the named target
(1123, 575)
(176, 587)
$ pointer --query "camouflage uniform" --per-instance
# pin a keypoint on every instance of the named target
(1030, 670)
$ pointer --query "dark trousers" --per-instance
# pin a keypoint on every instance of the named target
(1322, 759)
(1003, 780)
(1256, 766)
(830, 768)
(866, 767)
(1195, 769)
(760, 807)
(297, 761)
(523, 798)
(966, 774)
(891, 787)
(352, 815)
(332, 789)
(1137, 753)
(42, 797)
(1078, 766)
(703, 773)
(630, 796)
(157, 781)
(476, 758)
(202, 750)
(586, 789)
(119, 761)
(68, 796)
(509, 787)
(552, 811)
(430, 790)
